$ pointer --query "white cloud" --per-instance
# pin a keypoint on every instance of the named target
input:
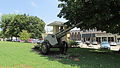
(48, 28)
(16, 11)
(33, 4)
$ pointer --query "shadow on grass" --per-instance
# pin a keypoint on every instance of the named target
(85, 58)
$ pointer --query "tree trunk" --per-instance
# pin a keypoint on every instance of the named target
(11, 39)
(16, 39)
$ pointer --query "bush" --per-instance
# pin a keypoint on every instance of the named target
(72, 43)
(24, 35)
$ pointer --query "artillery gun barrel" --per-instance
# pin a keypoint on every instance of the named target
(63, 33)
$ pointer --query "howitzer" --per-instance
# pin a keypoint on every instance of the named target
(55, 41)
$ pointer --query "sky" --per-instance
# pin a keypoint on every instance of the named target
(46, 10)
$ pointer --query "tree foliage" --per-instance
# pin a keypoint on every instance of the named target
(101, 14)
(1, 34)
(13, 24)
(6, 24)
(24, 35)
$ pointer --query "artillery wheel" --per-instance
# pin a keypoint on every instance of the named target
(45, 48)
(36, 47)
(64, 47)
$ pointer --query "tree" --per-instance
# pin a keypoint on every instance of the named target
(6, 25)
(101, 14)
(12, 25)
(0, 34)
(24, 35)
(36, 26)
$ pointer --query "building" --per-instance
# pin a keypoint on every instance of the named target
(56, 26)
(85, 35)
(59, 26)
(93, 35)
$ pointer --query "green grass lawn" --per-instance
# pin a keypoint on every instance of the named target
(20, 55)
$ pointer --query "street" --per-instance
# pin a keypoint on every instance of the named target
(115, 48)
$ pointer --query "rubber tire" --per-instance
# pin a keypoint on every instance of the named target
(61, 50)
(64, 47)
(37, 47)
(45, 48)
(108, 48)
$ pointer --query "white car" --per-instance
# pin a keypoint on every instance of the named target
(87, 42)
(79, 42)
(118, 43)
(94, 43)
(113, 43)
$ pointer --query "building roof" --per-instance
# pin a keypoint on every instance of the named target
(56, 23)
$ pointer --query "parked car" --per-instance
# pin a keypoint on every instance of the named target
(87, 42)
(8, 40)
(30, 40)
(16, 40)
(113, 43)
(105, 45)
(118, 43)
(79, 42)
(94, 42)
(33, 40)
(40, 41)
(22, 41)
